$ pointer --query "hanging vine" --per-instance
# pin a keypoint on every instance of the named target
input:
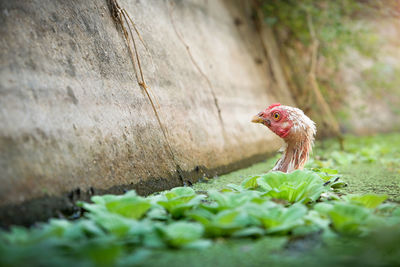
(122, 18)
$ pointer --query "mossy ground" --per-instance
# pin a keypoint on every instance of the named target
(366, 178)
(130, 230)
(368, 165)
(361, 178)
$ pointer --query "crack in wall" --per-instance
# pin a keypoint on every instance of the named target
(180, 37)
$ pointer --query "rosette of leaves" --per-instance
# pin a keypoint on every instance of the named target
(224, 223)
(370, 201)
(313, 222)
(129, 205)
(184, 234)
(299, 186)
(231, 200)
(179, 200)
(353, 218)
(120, 215)
(77, 243)
(276, 218)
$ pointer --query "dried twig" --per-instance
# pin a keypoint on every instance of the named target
(122, 17)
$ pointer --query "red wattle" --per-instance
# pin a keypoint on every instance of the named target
(285, 133)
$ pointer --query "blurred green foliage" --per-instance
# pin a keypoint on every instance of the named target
(354, 56)
(382, 149)
(333, 21)
(382, 78)
(259, 218)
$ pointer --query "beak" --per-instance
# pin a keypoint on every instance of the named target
(257, 119)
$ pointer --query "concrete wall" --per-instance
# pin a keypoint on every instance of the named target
(74, 121)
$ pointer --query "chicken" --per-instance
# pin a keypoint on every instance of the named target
(295, 128)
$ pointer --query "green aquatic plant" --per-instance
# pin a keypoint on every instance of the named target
(231, 200)
(350, 219)
(278, 219)
(129, 205)
(298, 186)
(126, 230)
(184, 234)
(368, 200)
(179, 199)
(224, 223)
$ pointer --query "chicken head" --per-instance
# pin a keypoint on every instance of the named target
(295, 128)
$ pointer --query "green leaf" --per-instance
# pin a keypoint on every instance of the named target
(249, 231)
(329, 171)
(323, 208)
(327, 174)
(370, 201)
(153, 238)
(201, 215)
(133, 207)
(232, 200)
(128, 205)
(157, 213)
(299, 186)
(250, 182)
(235, 187)
(226, 218)
(178, 205)
(349, 219)
(179, 234)
(116, 224)
(276, 218)
(180, 192)
(199, 244)
(223, 223)
(179, 200)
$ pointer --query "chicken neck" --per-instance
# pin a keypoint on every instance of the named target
(296, 152)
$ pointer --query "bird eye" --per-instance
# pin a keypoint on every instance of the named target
(276, 116)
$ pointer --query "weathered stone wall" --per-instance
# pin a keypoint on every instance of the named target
(74, 121)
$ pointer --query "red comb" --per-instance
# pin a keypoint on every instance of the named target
(274, 105)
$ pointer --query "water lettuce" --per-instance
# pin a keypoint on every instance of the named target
(368, 200)
(122, 230)
(183, 234)
(231, 200)
(129, 205)
(276, 218)
(298, 186)
(224, 223)
(179, 200)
